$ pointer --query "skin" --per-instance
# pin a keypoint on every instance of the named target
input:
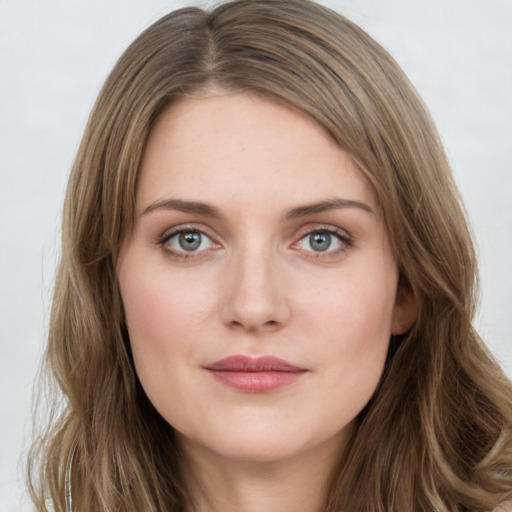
(257, 285)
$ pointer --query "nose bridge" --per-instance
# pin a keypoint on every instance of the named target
(254, 298)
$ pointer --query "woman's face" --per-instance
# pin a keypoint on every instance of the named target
(259, 285)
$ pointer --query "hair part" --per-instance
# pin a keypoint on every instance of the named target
(437, 435)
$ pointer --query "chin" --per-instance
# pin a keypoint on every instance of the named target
(262, 448)
(259, 441)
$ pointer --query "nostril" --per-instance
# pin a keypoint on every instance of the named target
(270, 324)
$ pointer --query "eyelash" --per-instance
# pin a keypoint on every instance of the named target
(344, 239)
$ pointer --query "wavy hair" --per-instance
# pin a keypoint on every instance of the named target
(436, 435)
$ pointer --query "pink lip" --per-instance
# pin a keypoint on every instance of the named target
(255, 375)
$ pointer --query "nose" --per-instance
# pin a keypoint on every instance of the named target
(255, 297)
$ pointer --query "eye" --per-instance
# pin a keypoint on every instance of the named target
(323, 241)
(187, 241)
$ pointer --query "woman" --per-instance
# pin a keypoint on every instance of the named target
(267, 285)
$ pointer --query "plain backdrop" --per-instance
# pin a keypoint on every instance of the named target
(54, 56)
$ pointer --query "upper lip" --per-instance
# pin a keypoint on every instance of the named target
(241, 363)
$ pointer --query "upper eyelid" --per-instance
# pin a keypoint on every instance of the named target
(179, 231)
(326, 228)
(180, 228)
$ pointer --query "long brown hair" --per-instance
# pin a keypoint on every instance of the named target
(437, 434)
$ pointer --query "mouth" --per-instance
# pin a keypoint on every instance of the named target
(255, 375)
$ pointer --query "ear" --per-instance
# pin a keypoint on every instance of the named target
(405, 311)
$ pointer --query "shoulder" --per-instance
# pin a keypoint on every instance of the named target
(504, 507)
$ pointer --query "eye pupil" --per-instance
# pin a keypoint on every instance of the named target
(190, 240)
(320, 241)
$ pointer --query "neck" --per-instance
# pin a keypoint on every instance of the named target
(295, 484)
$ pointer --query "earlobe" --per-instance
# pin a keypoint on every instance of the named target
(405, 312)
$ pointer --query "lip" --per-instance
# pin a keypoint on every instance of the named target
(255, 375)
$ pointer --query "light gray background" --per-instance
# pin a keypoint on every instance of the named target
(54, 56)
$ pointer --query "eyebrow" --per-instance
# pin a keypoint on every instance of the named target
(298, 212)
(323, 206)
(184, 206)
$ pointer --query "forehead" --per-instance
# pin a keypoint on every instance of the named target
(236, 146)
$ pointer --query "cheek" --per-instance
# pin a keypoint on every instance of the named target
(150, 310)
(353, 320)
(159, 303)
(357, 310)
(162, 315)
(163, 320)
(362, 338)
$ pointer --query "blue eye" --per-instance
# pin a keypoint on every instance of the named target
(189, 241)
(322, 241)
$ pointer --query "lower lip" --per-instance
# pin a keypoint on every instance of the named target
(256, 382)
